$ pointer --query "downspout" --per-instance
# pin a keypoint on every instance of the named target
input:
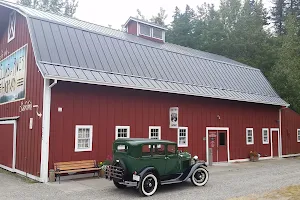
(46, 129)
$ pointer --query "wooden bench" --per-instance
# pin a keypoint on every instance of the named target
(75, 167)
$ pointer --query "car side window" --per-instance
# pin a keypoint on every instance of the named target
(158, 150)
(146, 151)
(171, 149)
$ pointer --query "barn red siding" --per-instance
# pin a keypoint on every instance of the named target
(290, 124)
(107, 107)
(132, 28)
(28, 141)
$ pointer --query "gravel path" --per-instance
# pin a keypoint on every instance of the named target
(226, 181)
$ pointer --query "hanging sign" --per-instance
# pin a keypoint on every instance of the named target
(173, 115)
(13, 76)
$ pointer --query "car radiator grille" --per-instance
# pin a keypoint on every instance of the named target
(114, 172)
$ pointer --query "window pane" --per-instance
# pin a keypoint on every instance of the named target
(145, 30)
(159, 150)
(222, 139)
(171, 149)
(157, 33)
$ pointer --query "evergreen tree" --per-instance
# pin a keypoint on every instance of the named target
(286, 74)
(160, 17)
(60, 7)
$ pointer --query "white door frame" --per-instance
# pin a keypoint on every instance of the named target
(279, 142)
(217, 129)
(14, 123)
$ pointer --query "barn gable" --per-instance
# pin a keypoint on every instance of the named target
(71, 50)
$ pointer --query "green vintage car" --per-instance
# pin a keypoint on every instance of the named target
(148, 163)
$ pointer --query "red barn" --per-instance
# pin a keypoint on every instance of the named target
(69, 88)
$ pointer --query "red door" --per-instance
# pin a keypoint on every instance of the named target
(6, 144)
(275, 143)
(218, 143)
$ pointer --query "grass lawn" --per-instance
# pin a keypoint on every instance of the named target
(286, 193)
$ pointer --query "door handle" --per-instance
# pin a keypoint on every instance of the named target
(166, 158)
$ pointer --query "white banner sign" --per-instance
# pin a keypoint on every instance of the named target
(13, 76)
(173, 115)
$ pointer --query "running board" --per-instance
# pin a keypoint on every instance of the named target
(170, 182)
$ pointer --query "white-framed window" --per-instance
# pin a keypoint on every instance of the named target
(182, 136)
(265, 136)
(249, 136)
(145, 30)
(155, 132)
(157, 33)
(83, 138)
(298, 135)
(122, 132)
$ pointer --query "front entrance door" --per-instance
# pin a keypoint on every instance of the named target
(218, 143)
(275, 143)
(7, 144)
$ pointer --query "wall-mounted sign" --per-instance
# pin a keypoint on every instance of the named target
(12, 26)
(13, 76)
(173, 115)
(25, 106)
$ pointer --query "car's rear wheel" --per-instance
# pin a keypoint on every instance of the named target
(118, 185)
(149, 184)
(200, 176)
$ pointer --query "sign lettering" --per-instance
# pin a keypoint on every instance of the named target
(12, 76)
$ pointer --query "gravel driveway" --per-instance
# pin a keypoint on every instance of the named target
(226, 181)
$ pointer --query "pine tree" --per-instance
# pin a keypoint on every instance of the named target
(60, 7)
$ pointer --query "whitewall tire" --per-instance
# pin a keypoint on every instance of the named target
(148, 185)
(200, 176)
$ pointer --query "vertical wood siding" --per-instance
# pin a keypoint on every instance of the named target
(290, 124)
(107, 107)
(28, 141)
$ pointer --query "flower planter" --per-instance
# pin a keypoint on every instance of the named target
(102, 173)
(254, 158)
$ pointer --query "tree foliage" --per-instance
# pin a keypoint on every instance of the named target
(61, 7)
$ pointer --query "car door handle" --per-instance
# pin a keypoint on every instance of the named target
(166, 158)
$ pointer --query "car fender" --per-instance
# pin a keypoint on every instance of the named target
(195, 166)
(144, 171)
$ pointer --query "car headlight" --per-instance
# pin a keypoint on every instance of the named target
(195, 157)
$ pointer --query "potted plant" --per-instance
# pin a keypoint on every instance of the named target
(253, 156)
(102, 172)
(103, 165)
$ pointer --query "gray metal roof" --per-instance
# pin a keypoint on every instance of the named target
(73, 50)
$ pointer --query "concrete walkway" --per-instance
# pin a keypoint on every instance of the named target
(226, 181)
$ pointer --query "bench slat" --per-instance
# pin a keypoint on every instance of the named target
(75, 162)
(75, 167)
(78, 170)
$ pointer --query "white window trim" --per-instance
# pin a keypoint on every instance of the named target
(162, 35)
(144, 34)
(262, 132)
(122, 127)
(155, 127)
(12, 16)
(248, 129)
(151, 32)
(298, 134)
(187, 137)
(76, 138)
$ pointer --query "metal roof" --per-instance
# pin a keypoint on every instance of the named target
(72, 50)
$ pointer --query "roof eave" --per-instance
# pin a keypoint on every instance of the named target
(164, 91)
(143, 22)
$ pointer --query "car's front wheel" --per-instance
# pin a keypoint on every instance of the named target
(200, 176)
(149, 184)
(118, 185)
